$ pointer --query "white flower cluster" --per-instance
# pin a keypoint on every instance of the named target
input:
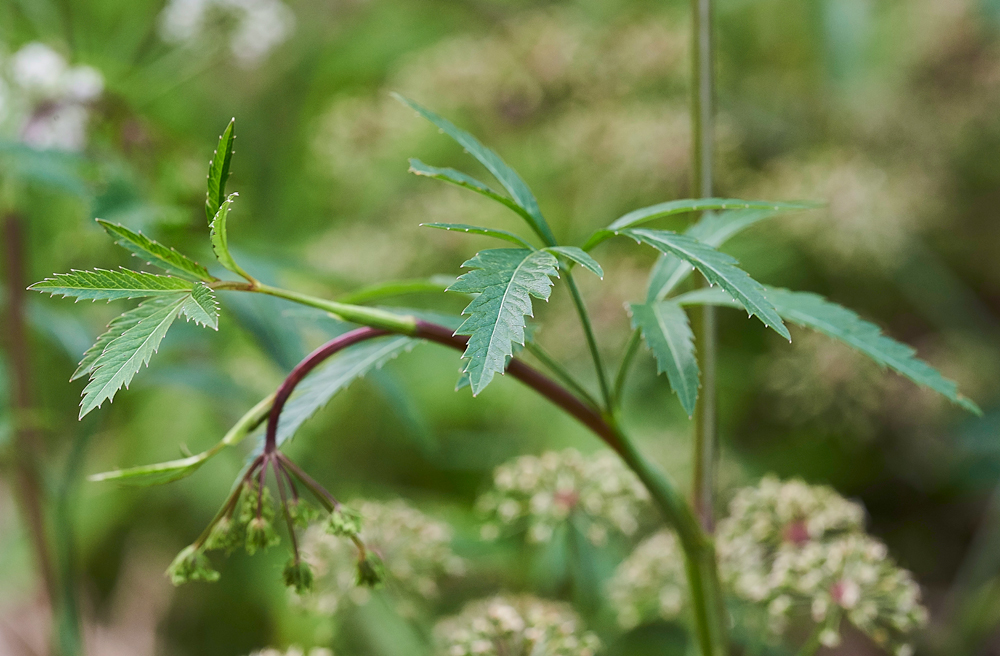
(538, 493)
(651, 582)
(801, 550)
(293, 651)
(44, 101)
(253, 28)
(415, 549)
(515, 626)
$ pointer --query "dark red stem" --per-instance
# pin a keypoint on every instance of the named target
(542, 384)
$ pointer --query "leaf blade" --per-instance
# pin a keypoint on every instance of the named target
(477, 230)
(202, 307)
(667, 331)
(580, 256)
(505, 279)
(220, 238)
(505, 175)
(154, 253)
(102, 284)
(116, 328)
(813, 311)
(126, 355)
(218, 171)
(465, 181)
(718, 268)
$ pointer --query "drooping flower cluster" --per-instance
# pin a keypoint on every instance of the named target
(801, 551)
(44, 102)
(515, 626)
(651, 582)
(413, 550)
(252, 28)
(537, 494)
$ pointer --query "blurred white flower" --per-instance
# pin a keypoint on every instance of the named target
(515, 626)
(650, 583)
(293, 651)
(415, 549)
(44, 101)
(537, 494)
(253, 28)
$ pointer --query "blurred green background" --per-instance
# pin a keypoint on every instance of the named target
(884, 109)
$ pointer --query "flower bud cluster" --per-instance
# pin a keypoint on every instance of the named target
(515, 626)
(651, 582)
(801, 551)
(44, 101)
(538, 493)
(402, 545)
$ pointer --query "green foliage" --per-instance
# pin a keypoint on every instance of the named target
(476, 230)
(227, 535)
(218, 171)
(125, 355)
(580, 256)
(191, 564)
(155, 253)
(718, 268)
(466, 181)
(505, 279)
(220, 238)
(667, 332)
(260, 535)
(202, 307)
(101, 284)
(713, 229)
(511, 181)
(813, 311)
(670, 208)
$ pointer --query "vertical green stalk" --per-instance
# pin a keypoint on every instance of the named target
(588, 331)
(702, 130)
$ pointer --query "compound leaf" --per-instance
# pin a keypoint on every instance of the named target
(125, 355)
(155, 253)
(101, 284)
(813, 311)
(202, 307)
(505, 279)
(579, 256)
(218, 171)
(115, 329)
(511, 181)
(712, 229)
(718, 268)
(476, 230)
(667, 332)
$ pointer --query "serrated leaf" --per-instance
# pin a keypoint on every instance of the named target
(506, 176)
(813, 311)
(202, 307)
(466, 181)
(218, 171)
(579, 256)
(667, 331)
(155, 253)
(477, 230)
(101, 284)
(115, 329)
(505, 279)
(712, 229)
(718, 268)
(335, 375)
(662, 210)
(220, 238)
(124, 356)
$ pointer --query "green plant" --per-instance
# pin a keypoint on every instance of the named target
(502, 282)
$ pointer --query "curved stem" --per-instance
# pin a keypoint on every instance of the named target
(588, 331)
(630, 350)
(560, 372)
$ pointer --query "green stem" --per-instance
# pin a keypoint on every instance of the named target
(630, 350)
(588, 331)
(560, 372)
